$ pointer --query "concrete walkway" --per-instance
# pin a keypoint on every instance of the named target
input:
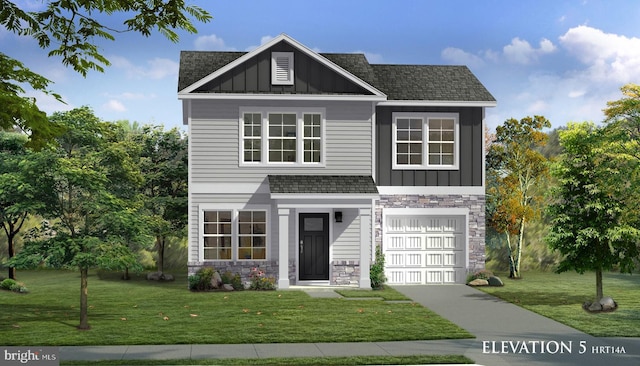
(506, 335)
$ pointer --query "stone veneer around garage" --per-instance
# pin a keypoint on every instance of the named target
(475, 231)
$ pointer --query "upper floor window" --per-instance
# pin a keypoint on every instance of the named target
(287, 138)
(425, 141)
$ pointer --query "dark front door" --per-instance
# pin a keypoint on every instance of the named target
(314, 246)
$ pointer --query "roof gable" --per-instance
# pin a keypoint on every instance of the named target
(227, 74)
(250, 73)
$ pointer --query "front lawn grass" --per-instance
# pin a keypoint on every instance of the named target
(142, 312)
(300, 361)
(560, 297)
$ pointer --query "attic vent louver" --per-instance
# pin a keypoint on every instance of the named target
(282, 68)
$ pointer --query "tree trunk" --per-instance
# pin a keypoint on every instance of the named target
(520, 245)
(125, 276)
(84, 294)
(160, 244)
(512, 267)
(599, 294)
(12, 270)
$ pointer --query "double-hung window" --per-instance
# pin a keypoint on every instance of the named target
(235, 234)
(276, 137)
(425, 141)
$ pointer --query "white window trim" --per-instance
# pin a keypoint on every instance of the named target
(275, 80)
(234, 230)
(425, 116)
(264, 153)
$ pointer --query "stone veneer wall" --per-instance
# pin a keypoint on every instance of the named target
(244, 268)
(475, 231)
(345, 273)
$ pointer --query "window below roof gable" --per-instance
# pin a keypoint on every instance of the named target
(282, 68)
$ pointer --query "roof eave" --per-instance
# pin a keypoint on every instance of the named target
(440, 103)
(325, 196)
(268, 96)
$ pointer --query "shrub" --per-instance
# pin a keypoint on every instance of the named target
(484, 274)
(260, 281)
(232, 279)
(201, 281)
(376, 271)
(12, 285)
(194, 282)
(7, 283)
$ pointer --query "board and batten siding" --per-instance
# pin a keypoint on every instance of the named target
(214, 139)
(470, 170)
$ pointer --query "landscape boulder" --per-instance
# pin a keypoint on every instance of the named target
(159, 276)
(608, 304)
(595, 307)
(216, 280)
(227, 287)
(495, 281)
(478, 282)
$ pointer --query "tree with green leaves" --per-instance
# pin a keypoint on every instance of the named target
(72, 30)
(25, 182)
(515, 168)
(95, 217)
(587, 213)
(622, 146)
(163, 164)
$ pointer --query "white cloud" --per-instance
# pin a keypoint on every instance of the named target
(131, 96)
(157, 68)
(521, 52)
(263, 40)
(458, 56)
(610, 58)
(114, 106)
(211, 43)
(48, 103)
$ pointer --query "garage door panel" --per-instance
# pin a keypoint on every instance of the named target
(424, 249)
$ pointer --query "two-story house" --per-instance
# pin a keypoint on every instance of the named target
(301, 162)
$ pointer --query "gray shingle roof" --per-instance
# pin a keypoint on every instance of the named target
(398, 82)
(430, 82)
(196, 65)
(322, 184)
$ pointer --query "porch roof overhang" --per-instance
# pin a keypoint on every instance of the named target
(323, 187)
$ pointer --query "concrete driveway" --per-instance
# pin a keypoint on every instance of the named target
(510, 335)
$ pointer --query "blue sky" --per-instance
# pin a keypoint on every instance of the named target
(560, 59)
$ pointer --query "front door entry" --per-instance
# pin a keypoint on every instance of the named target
(314, 246)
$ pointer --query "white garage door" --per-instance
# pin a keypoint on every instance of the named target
(424, 249)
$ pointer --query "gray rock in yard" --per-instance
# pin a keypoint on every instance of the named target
(495, 281)
(216, 280)
(478, 282)
(595, 307)
(227, 287)
(608, 304)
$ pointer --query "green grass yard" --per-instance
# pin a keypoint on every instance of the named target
(142, 312)
(560, 296)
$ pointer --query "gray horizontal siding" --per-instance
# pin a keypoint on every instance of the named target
(346, 245)
(470, 150)
(198, 199)
(214, 141)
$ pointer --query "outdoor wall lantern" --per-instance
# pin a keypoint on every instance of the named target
(338, 216)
